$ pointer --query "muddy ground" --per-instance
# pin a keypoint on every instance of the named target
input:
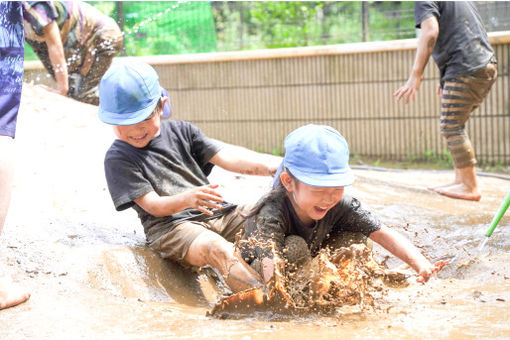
(91, 275)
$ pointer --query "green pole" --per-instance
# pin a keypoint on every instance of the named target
(502, 209)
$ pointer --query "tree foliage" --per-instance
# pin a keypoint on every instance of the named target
(171, 27)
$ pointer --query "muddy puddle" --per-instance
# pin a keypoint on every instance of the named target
(91, 275)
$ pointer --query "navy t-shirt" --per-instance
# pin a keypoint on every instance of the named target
(278, 219)
(11, 64)
(174, 161)
(462, 47)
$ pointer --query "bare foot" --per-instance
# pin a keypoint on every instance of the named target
(11, 295)
(460, 191)
(441, 186)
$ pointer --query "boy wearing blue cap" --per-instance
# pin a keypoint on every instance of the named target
(308, 200)
(160, 169)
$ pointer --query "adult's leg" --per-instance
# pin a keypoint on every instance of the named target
(460, 98)
(10, 295)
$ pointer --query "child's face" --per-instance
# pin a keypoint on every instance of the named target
(311, 203)
(139, 135)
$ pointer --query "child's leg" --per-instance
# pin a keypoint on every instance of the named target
(194, 244)
(460, 98)
(211, 249)
(345, 239)
(296, 252)
(11, 295)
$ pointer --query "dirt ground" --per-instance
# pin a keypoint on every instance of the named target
(91, 275)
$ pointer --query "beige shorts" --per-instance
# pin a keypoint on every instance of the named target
(174, 245)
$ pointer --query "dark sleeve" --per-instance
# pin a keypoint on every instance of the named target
(261, 231)
(39, 14)
(355, 218)
(424, 10)
(203, 148)
(125, 181)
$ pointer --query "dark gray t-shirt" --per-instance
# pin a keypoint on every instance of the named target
(173, 162)
(276, 220)
(462, 47)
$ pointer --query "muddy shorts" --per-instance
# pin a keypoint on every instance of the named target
(174, 245)
(461, 96)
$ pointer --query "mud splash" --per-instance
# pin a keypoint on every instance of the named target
(347, 276)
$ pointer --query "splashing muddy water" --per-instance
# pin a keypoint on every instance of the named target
(91, 275)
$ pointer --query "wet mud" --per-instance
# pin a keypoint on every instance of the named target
(335, 278)
(91, 275)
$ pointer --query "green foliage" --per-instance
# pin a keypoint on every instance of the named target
(392, 20)
(276, 151)
(442, 160)
(286, 24)
(171, 27)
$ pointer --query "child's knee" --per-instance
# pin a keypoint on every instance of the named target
(345, 239)
(218, 251)
(296, 251)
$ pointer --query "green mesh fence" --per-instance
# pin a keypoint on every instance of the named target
(177, 27)
(155, 27)
(160, 27)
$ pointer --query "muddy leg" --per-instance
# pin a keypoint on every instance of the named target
(211, 249)
(345, 239)
(296, 252)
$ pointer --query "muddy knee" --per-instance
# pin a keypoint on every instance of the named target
(346, 239)
(237, 273)
(296, 251)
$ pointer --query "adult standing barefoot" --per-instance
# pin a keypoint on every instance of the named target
(11, 66)
(453, 33)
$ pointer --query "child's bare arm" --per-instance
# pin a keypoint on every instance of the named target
(426, 43)
(244, 161)
(51, 35)
(201, 198)
(399, 246)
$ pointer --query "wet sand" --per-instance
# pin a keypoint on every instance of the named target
(91, 275)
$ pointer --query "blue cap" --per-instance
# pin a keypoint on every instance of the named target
(317, 155)
(129, 93)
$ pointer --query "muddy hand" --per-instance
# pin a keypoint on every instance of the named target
(205, 198)
(425, 275)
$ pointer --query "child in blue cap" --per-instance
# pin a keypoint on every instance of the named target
(159, 168)
(308, 200)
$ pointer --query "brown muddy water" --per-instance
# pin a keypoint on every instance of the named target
(91, 275)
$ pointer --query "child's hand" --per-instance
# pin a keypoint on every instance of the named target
(204, 198)
(427, 271)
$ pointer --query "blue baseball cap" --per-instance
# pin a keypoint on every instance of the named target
(129, 93)
(317, 155)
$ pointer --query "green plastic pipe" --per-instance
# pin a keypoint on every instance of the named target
(502, 209)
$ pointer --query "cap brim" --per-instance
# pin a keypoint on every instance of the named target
(342, 179)
(276, 179)
(130, 118)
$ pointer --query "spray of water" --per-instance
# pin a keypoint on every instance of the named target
(107, 44)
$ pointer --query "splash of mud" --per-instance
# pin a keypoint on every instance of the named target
(347, 276)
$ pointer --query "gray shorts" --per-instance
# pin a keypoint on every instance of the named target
(174, 245)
